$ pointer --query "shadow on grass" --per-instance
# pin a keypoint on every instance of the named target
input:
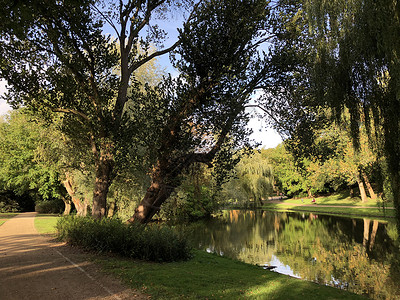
(208, 276)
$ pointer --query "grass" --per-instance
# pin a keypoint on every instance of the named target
(5, 216)
(208, 276)
(205, 276)
(339, 200)
(46, 223)
(372, 209)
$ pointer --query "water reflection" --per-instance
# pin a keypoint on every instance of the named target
(355, 254)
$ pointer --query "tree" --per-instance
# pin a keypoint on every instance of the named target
(255, 176)
(56, 59)
(341, 56)
(21, 169)
(203, 117)
(289, 179)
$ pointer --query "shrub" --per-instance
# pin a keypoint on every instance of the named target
(49, 207)
(151, 242)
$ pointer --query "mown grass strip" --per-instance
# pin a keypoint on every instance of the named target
(207, 276)
(5, 216)
(46, 223)
(343, 211)
(339, 200)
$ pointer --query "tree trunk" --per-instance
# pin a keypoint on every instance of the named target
(155, 196)
(111, 210)
(104, 168)
(164, 181)
(68, 184)
(67, 209)
(369, 187)
(363, 194)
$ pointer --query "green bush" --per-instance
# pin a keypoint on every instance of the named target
(49, 207)
(151, 242)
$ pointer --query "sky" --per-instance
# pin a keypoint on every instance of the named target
(267, 137)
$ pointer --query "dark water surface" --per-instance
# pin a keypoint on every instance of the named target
(360, 255)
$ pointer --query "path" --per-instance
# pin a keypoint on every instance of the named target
(33, 267)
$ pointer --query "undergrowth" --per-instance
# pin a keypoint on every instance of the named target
(151, 242)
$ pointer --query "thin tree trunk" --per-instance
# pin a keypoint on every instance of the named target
(111, 210)
(85, 206)
(67, 209)
(68, 184)
(369, 187)
(363, 194)
(104, 168)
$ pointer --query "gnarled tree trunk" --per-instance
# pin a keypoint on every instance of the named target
(158, 192)
(104, 169)
(67, 209)
(81, 208)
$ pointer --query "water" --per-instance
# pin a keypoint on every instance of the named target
(359, 255)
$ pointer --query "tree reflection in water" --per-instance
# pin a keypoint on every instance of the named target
(360, 255)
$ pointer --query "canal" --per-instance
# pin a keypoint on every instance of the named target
(359, 255)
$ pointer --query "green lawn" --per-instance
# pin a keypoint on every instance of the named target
(45, 223)
(373, 208)
(339, 200)
(5, 216)
(208, 276)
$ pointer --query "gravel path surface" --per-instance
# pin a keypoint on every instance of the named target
(33, 267)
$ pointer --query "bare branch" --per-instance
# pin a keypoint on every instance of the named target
(108, 20)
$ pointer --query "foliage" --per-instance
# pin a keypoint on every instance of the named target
(341, 56)
(251, 180)
(288, 178)
(49, 207)
(152, 242)
(196, 198)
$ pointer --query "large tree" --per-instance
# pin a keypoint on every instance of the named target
(203, 118)
(55, 58)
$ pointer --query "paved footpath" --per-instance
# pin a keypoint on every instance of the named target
(34, 267)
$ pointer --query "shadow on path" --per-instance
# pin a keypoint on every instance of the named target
(33, 267)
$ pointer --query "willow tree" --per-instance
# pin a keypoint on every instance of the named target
(255, 177)
(343, 54)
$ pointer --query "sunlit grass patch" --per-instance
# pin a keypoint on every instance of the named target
(339, 200)
(208, 276)
(354, 212)
(46, 223)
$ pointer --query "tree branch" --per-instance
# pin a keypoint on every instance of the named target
(137, 64)
(108, 20)
(72, 111)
